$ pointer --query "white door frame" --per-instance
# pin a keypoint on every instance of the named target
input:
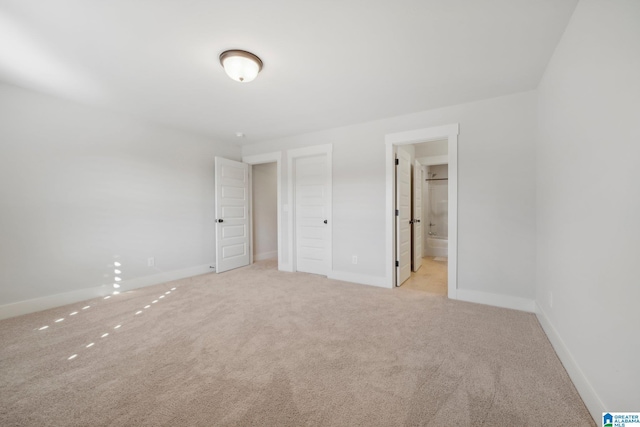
(449, 132)
(257, 160)
(291, 156)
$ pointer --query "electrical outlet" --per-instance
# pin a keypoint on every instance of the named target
(151, 261)
(550, 299)
(354, 259)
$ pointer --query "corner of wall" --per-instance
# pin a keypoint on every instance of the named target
(592, 401)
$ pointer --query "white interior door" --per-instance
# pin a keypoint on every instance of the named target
(311, 214)
(417, 216)
(403, 216)
(232, 214)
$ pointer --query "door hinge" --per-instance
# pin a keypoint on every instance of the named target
(397, 162)
(397, 263)
(397, 212)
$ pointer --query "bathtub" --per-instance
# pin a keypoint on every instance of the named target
(437, 246)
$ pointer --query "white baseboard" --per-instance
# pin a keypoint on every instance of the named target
(285, 267)
(51, 301)
(362, 279)
(166, 276)
(504, 301)
(43, 303)
(265, 255)
(588, 394)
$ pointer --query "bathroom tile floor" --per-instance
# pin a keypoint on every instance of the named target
(431, 277)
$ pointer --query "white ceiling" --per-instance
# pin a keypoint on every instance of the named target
(326, 63)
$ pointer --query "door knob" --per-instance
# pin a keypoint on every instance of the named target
(325, 221)
(220, 220)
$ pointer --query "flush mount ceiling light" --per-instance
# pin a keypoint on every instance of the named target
(240, 65)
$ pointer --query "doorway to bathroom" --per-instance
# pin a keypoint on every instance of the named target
(400, 202)
(422, 208)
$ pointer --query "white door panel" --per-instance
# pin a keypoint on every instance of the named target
(417, 216)
(311, 208)
(403, 219)
(232, 214)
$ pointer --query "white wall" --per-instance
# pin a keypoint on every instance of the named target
(496, 191)
(79, 186)
(264, 205)
(588, 203)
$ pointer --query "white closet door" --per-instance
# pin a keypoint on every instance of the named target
(311, 214)
(417, 216)
(403, 218)
(232, 214)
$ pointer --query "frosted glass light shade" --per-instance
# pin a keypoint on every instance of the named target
(240, 65)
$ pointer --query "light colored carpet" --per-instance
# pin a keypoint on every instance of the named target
(256, 346)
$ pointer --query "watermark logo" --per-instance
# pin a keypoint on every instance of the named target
(621, 419)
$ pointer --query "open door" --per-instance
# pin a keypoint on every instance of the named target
(232, 214)
(417, 216)
(403, 216)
